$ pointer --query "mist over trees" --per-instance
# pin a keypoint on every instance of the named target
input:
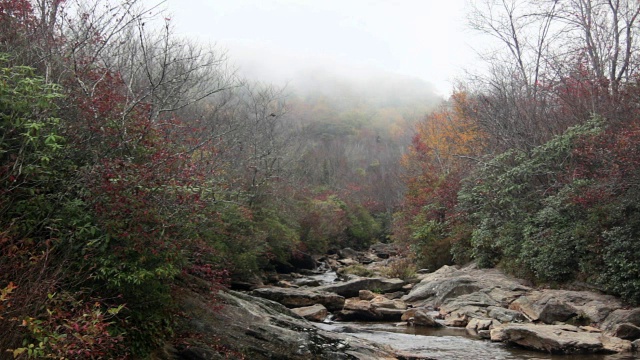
(134, 161)
(530, 165)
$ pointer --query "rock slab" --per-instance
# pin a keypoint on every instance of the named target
(558, 339)
(293, 298)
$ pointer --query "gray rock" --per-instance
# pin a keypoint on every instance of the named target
(420, 317)
(545, 307)
(457, 320)
(382, 302)
(475, 325)
(348, 253)
(261, 329)
(307, 282)
(394, 295)
(359, 310)
(550, 306)
(293, 298)
(473, 305)
(315, 313)
(390, 314)
(352, 288)
(366, 295)
(621, 316)
(558, 339)
(626, 331)
(505, 315)
(450, 282)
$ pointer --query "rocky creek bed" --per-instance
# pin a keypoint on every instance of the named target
(452, 313)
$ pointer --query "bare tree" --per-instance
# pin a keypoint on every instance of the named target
(555, 59)
(605, 32)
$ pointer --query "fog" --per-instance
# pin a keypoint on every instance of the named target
(282, 41)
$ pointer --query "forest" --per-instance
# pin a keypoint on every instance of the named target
(132, 159)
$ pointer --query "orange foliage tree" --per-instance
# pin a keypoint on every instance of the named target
(443, 150)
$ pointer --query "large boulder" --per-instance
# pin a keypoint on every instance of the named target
(621, 316)
(260, 329)
(549, 306)
(558, 339)
(449, 282)
(352, 288)
(546, 309)
(292, 298)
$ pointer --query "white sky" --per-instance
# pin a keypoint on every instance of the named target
(427, 39)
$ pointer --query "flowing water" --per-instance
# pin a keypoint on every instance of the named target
(443, 343)
(448, 343)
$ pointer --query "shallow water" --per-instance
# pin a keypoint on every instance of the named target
(325, 278)
(448, 343)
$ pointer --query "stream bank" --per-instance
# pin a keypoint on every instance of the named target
(452, 313)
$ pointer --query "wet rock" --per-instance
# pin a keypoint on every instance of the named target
(558, 339)
(315, 313)
(352, 288)
(293, 298)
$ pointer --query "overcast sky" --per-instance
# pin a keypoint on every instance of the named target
(427, 39)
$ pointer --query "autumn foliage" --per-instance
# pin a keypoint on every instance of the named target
(534, 167)
(441, 155)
